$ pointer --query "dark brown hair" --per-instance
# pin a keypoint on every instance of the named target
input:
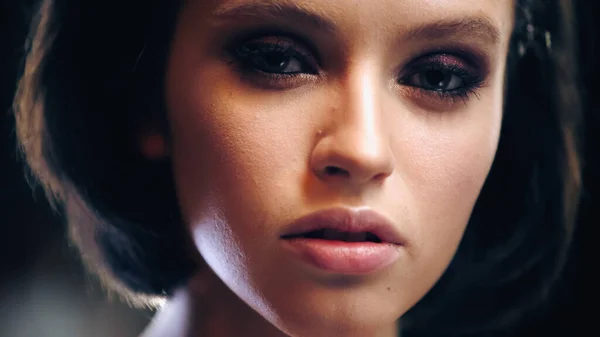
(95, 71)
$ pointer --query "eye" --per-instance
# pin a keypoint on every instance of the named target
(276, 62)
(436, 80)
(443, 78)
(275, 56)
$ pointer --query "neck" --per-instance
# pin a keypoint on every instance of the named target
(210, 309)
(206, 307)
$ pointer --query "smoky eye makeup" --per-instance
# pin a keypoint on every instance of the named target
(278, 61)
(446, 76)
(273, 59)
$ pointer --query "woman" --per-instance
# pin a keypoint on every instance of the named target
(310, 168)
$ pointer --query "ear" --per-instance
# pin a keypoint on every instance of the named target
(152, 142)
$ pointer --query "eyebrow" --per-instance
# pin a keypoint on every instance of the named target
(281, 11)
(480, 27)
(473, 27)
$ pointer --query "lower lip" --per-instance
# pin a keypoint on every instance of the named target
(354, 258)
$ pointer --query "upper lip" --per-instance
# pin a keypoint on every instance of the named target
(346, 220)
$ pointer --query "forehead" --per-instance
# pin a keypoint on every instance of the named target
(373, 15)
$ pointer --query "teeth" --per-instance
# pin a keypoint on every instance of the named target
(331, 234)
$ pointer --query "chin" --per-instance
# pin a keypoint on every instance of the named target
(340, 308)
(335, 324)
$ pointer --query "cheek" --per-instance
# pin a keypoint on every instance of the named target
(236, 150)
(237, 158)
(444, 163)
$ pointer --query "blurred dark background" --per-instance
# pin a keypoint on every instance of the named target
(45, 292)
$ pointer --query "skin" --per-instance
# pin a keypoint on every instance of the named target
(250, 154)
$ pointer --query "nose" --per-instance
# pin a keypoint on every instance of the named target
(356, 148)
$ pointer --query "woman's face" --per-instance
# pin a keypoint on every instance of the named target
(282, 108)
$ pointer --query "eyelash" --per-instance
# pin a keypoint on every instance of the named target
(246, 55)
(471, 81)
(246, 52)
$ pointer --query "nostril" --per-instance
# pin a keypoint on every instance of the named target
(333, 171)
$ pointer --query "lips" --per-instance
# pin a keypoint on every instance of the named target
(341, 224)
(336, 235)
(343, 241)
